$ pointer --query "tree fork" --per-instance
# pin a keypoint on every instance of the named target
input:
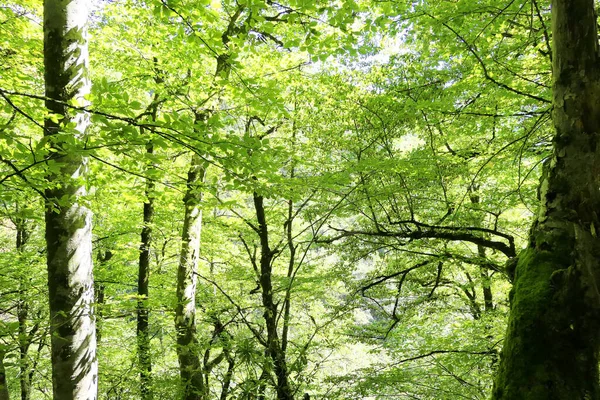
(274, 348)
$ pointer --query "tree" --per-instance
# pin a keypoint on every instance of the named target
(188, 350)
(552, 342)
(142, 328)
(68, 220)
(194, 374)
(360, 172)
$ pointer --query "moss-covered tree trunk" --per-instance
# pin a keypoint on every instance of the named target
(551, 347)
(188, 350)
(68, 221)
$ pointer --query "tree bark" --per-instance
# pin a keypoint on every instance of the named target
(143, 335)
(99, 311)
(552, 342)
(486, 283)
(274, 349)
(25, 337)
(287, 301)
(68, 221)
(103, 257)
(227, 378)
(195, 386)
(188, 350)
(289, 231)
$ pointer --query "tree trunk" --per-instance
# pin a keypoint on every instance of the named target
(488, 299)
(486, 282)
(274, 349)
(289, 230)
(143, 335)
(287, 301)
(68, 222)
(102, 257)
(552, 342)
(227, 378)
(99, 312)
(24, 343)
(23, 316)
(188, 350)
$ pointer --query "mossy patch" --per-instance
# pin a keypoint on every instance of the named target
(546, 355)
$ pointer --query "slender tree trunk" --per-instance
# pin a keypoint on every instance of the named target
(274, 349)
(103, 257)
(24, 343)
(263, 378)
(99, 312)
(227, 378)
(143, 310)
(143, 335)
(68, 222)
(289, 230)
(287, 301)
(188, 350)
(552, 342)
(23, 317)
(486, 284)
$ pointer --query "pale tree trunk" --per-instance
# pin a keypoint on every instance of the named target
(191, 368)
(188, 350)
(552, 342)
(195, 386)
(68, 221)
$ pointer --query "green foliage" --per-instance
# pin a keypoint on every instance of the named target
(393, 145)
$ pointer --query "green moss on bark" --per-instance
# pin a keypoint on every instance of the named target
(549, 352)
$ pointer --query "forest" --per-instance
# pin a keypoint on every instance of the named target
(299, 199)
